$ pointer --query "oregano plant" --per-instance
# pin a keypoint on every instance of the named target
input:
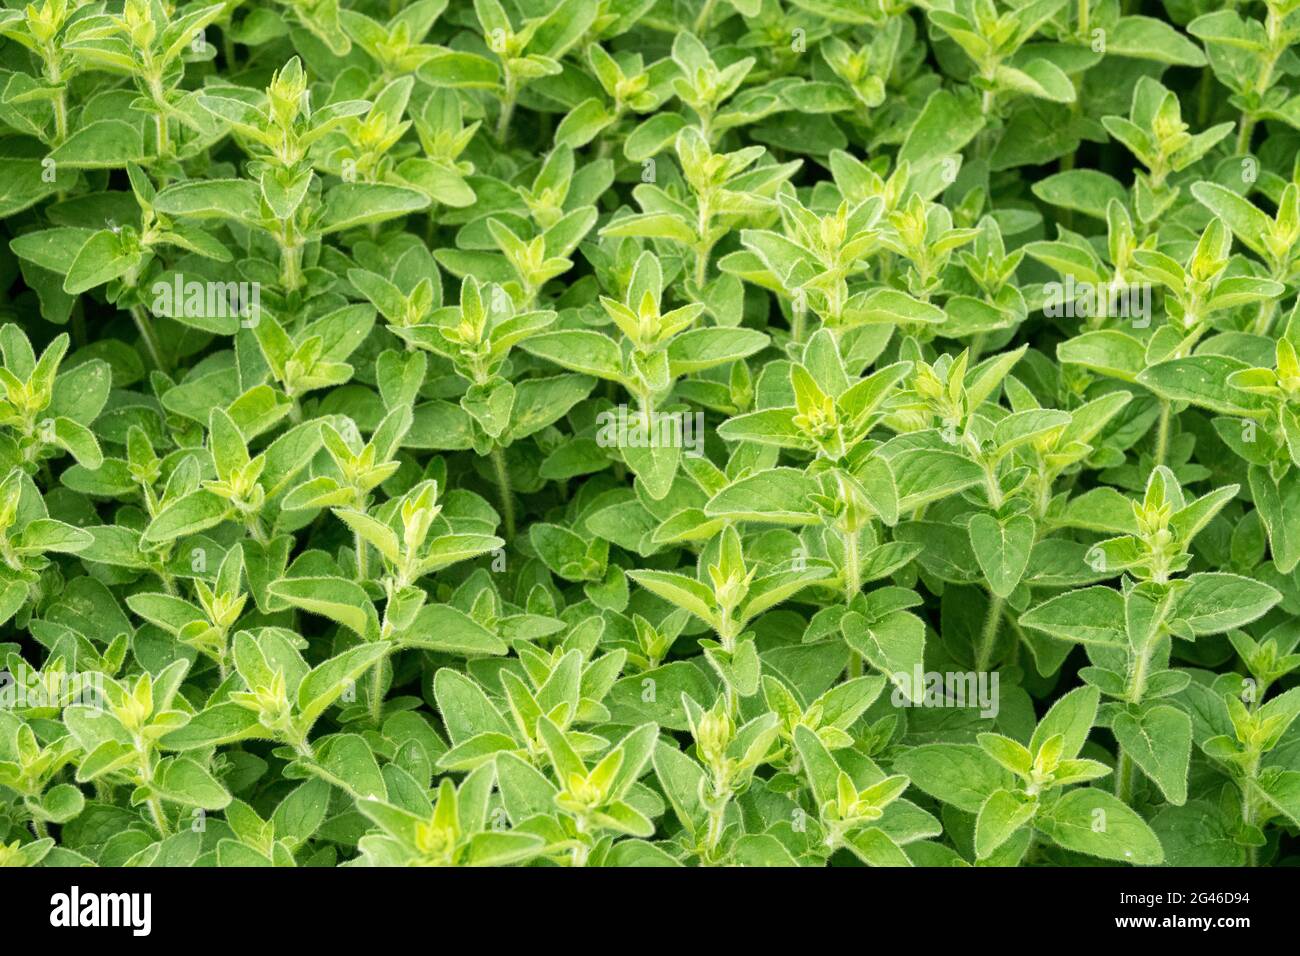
(600, 433)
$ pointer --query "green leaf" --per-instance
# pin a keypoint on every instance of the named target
(1277, 501)
(677, 589)
(349, 205)
(1083, 190)
(1072, 717)
(218, 724)
(1000, 816)
(944, 126)
(441, 627)
(106, 255)
(700, 349)
(348, 762)
(1214, 602)
(185, 781)
(894, 645)
(588, 352)
(103, 144)
(1087, 616)
(1107, 351)
(335, 598)
(1147, 38)
(1159, 741)
(1201, 380)
(1246, 221)
(1002, 549)
(1091, 821)
(874, 848)
(326, 682)
(191, 514)
(960, 774)
(777, 495)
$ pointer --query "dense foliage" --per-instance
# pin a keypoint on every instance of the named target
(642, 432)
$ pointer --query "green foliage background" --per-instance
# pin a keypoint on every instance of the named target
(649, 432)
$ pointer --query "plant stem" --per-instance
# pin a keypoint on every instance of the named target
(1245, 134)
(377, 692)
(39, 828)
(60, 118)
(228, 48)
(155, 804)
(701, 267)
(989, 633)
(159, 821)
(507, 108)
(1162, 433)
(254, 526)
(727, 632)
(852, 586)
(714, 836)
(164, 136)
(702, 20)
(717, 809)
(503, 486)
(1248, 813)
(359, 544)
(1264, 323)
(290, 266)
(1204, 100)
(702, 251)
(150, 337)
(852, 567)
(54, 71)
(1125, 772)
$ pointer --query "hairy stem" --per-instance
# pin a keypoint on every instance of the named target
(1245, 133)
(290, 266)
(228, 47)
(60, 118)
(155, 803)
(1264, 321)
(1125, 771)
(989, 633)
(359, 544)
(852, 586)
(798, 325)
(703, 250)
(1204, 97)
(852, 567)
(702, 20)
(1162, 433)
(377, 693)
(503, 487)
(507, 108)
(1248, 812)
(150, 338)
